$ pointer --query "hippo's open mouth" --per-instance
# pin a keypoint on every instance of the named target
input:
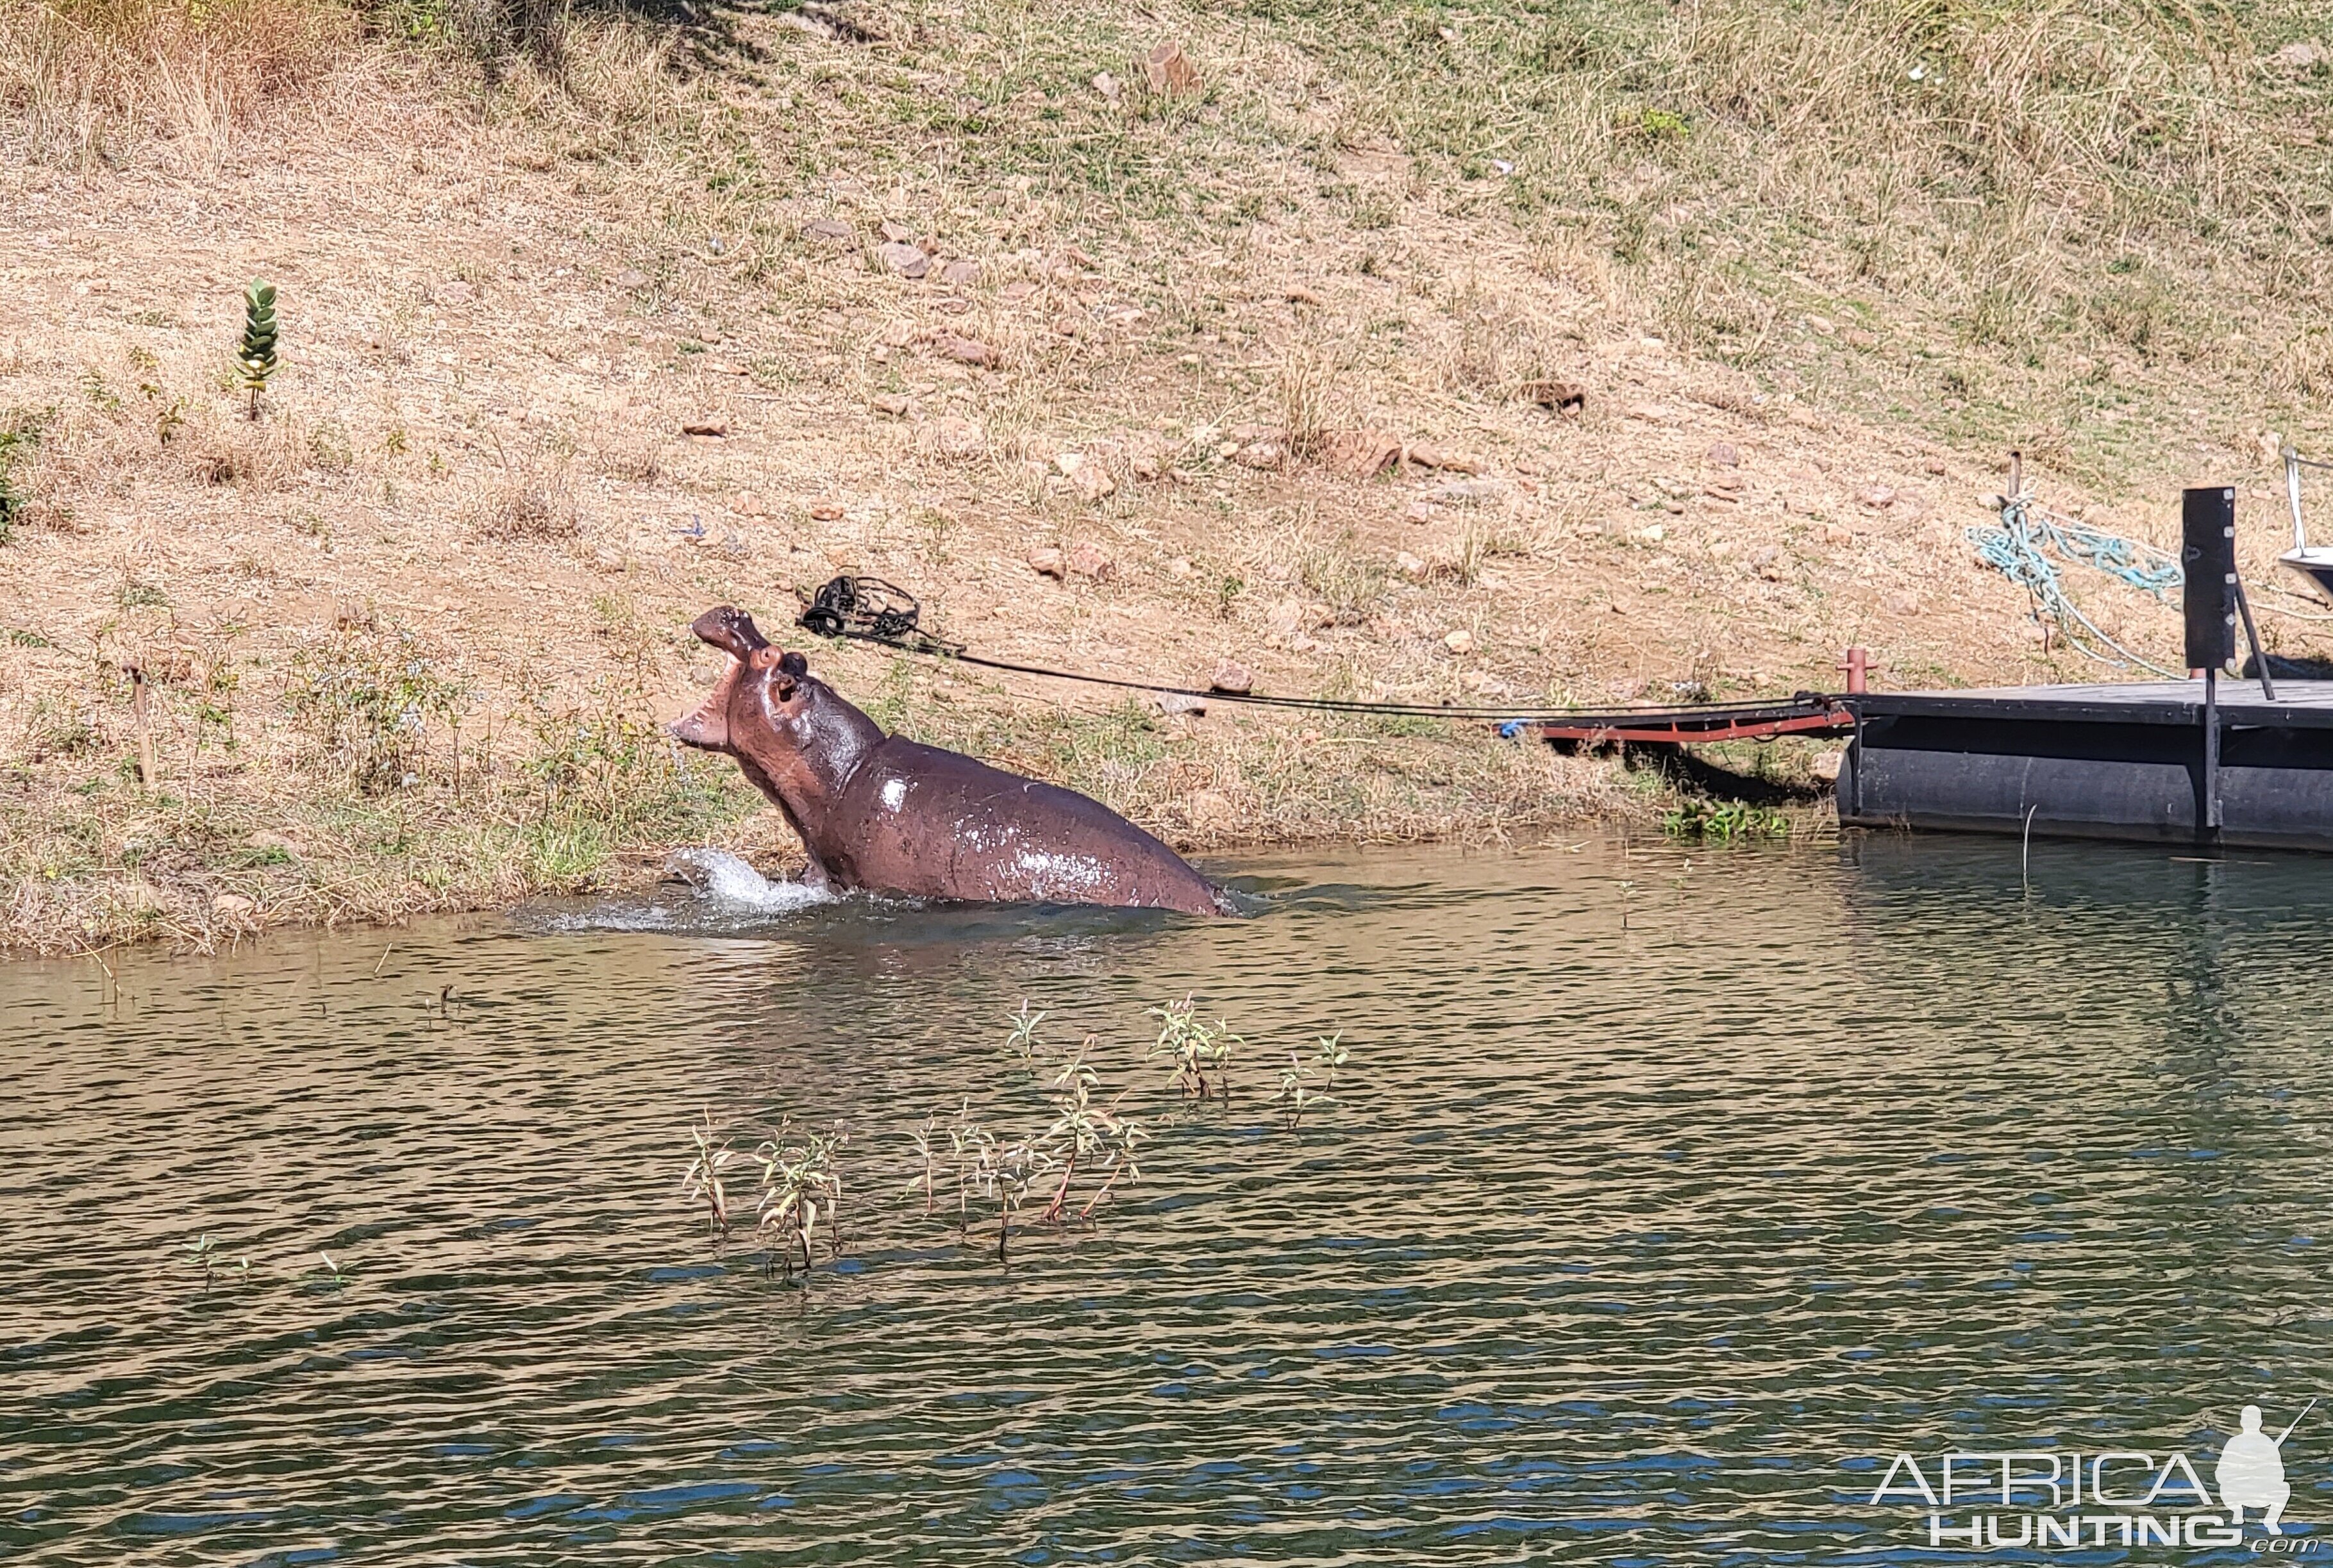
(731, 631)
(707, 727)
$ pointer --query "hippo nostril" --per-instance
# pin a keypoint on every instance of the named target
(730, 630)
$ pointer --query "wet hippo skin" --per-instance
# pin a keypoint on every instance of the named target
(893, 816)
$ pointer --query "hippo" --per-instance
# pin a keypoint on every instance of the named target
(886, 815)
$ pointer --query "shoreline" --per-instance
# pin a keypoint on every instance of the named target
(194, 872)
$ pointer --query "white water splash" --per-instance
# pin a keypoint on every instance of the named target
(722, 879)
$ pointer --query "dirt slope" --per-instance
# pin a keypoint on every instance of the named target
(408, 634)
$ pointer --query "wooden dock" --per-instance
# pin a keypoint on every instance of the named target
(2133, 761)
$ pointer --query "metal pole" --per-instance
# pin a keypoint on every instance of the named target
(2210, 827)
(2292, 495)
(2251, 635)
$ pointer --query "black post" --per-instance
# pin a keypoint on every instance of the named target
(2208, 829)
(2208, 602)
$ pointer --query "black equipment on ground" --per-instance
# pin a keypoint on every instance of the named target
(867, 607)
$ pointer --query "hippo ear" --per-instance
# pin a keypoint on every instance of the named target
(731, 630)
(793, 664)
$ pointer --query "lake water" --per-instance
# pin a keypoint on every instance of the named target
(1668, 1192)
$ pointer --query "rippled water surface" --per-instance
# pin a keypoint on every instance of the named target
(1662, 1195)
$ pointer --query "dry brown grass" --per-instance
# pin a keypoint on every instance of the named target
(1369, 217)
(85, 80)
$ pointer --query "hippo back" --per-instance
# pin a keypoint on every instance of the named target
(918, 820)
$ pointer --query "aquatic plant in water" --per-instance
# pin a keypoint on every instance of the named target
(1296, 1094)
(1088, 1133)
(1294, 1098)
(800, 1184)
(1332, 1055)
(984, 1173)
(1192, 1047)
(703, 1177)
(1008, 1174)
(205, 1250)
(1024, 1041)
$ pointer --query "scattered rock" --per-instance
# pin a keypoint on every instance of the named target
(707, 429)
(896, 233)
(1652, 535)
(1048, 561)
(1411, 566)
(1723, 456)
(1652, 413)
(889, 403)
(966, 350)
(1558, 396)
(1146, 468)
(1212, 810)
(1426, 455)
(1460, 643)
(958, 440)
(902, 258)
(1281, 622)
(1857, 338)
(1933, 467)
(1179, 566)
(1091, 561)
(456, 293)
(826, 231)
(826, 510)
(631, 278)
(1825, 765)
(1298, 294)
(2299, 55)
(1362, 454)
(1906, 603)
(265, 839)
(1106, 85)
(1235, 680)
(1093, 479)
(962, 273)
(1466, 492)
(1176, 705)
(1260, 455)
(1170, 70)
(1878, 498)
(1822, 324)
(233, 906)
(1836, 533)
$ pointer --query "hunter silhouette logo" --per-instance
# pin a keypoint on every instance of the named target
(2250, 1472)
(2048, 1500)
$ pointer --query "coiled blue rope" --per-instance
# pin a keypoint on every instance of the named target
(2018, 549)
